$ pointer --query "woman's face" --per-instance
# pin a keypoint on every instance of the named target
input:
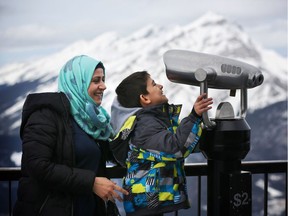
(97, 86)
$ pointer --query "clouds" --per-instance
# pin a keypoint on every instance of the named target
(40, 27)
(28, 34)
(272, 35)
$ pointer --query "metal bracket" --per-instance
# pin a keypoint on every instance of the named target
(202, 75)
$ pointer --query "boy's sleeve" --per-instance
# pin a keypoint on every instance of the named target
(191, 146)
(192, 140)
(120, 144)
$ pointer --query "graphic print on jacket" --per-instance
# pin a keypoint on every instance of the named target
(156, 180)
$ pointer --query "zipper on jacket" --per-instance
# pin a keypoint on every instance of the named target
(44, 203)
(72, 208)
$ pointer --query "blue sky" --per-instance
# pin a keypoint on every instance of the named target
(35, 28)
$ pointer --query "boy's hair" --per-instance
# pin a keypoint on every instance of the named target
(129, 90)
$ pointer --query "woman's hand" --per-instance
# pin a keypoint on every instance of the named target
(106, 189)
(202, 104)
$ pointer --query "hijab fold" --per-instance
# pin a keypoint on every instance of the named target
(74, 81)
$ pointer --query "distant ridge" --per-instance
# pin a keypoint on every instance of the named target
(143, 50)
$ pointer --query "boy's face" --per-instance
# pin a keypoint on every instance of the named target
(155, 94)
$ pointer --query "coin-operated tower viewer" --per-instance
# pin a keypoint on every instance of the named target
(225, 139)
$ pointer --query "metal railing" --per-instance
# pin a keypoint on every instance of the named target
(10, 174)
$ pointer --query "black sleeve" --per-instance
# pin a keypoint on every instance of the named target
(39, 146)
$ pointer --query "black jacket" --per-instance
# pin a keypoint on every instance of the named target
(49, 180)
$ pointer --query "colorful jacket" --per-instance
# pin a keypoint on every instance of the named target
(158, 145)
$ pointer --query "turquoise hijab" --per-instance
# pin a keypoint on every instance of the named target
(74, 80)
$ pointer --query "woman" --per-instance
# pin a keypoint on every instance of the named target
(64, 144)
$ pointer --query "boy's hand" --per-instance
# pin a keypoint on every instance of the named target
(202, 104)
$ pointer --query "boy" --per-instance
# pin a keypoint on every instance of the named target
(141, 115)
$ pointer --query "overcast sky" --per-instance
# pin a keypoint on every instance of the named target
(35, 28)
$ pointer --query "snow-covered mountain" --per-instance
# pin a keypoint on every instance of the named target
(143, 50)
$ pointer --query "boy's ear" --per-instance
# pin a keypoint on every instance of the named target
(144, 100)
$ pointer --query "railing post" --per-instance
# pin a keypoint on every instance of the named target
(265, 194)
(199, 196)
(10, 198)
